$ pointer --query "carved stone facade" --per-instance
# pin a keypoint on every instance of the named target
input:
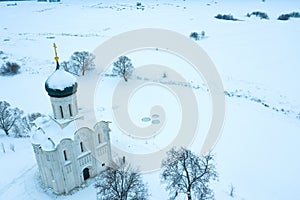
(68, 164)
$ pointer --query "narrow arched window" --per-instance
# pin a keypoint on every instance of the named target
(99, 138)
(81, 147)
(61, 112)
(70, 110)
(65, 155)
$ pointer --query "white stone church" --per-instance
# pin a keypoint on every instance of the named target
(67, 155)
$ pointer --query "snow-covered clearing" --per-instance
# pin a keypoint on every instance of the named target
(258, 61)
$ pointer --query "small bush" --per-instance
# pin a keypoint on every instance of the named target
(226, 17)
(11, 4)
(195, 35)
(284, 17)
(295, 14)
(139, 6)
(262, 15)
(164, 75)
(202, 34)
(10, 68)
(288, 16)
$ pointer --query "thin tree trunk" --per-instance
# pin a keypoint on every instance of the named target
(3, 149)
(189, 193)
(6, 131)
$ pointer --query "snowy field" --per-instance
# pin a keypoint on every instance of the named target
(258, 61)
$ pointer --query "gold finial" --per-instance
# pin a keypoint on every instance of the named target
(55, 51)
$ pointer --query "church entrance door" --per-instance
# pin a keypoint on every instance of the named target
(86, 173)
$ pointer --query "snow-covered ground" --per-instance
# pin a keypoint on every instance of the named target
(257, 60)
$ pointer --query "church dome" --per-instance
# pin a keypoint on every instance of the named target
(61, 83)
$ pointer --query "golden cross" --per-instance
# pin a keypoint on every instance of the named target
(55, 51)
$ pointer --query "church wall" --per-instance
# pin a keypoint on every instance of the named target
(103, 149)
(52, 171)
(66, 158)
(48, 168)
(39, 159)
(86, 158)
(62, 168)
(69, 172)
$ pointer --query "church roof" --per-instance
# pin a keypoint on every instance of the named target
(61, 83)
(50, 133)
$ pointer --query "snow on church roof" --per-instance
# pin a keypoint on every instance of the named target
(61, 83)
(60, 79)
(49, 133)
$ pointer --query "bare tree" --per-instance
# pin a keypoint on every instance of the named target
(121, 183)
(13, 120)
(22, 126)
(8, 116)
(186, 173)
(123, 67)
(69, 68)
(3, 148)
(80, 62)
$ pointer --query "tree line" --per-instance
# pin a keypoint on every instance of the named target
(184, 173)
(82, 61)
(13, 120)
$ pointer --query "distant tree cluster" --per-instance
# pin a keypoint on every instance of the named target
(140, 6)
(7, 67)
(14, 120)
(226, 17)
(288, 16)
(261, 15)
(183, 173)
(197, 36)
(79, 63)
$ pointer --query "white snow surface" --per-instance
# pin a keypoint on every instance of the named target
(258, 61)
(60, 79)
(49, 132)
